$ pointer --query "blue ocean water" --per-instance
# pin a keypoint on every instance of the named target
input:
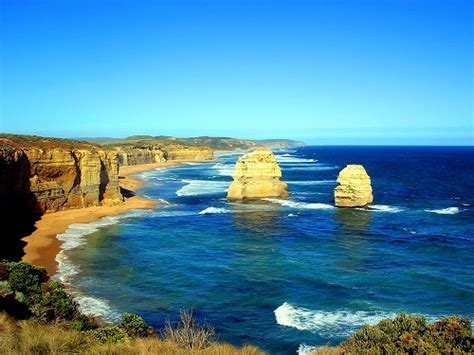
(286, 275)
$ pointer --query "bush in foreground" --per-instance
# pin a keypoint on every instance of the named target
(407, 334)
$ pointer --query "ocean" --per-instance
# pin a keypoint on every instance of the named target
(287, 275)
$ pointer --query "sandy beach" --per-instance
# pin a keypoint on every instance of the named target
(42, 246)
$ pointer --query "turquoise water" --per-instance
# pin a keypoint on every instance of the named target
(287, 274)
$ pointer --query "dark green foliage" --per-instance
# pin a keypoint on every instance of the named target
(108, 334)
(26, 278)
(82, 323)
(55, 303)
(411, 334)
(3, 271)
(135, 326)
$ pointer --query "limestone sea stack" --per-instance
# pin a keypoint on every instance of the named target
(355, 189)
(257, 175)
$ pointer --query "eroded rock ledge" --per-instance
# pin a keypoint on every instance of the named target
(257, 175)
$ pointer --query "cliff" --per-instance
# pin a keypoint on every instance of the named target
(257, 175)
(355, 189)
(39, 175)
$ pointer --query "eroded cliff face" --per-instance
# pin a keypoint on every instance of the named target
(355, 188)
(54, 179)
(188, 153)
(257, 175)
(136, 155)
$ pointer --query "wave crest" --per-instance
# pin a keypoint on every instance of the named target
(300, 205)
(212, 210)
(339, 323)
(448, 210)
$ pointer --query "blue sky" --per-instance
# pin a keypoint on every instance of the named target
(327, 72)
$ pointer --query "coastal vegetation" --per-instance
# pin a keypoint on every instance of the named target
(409, 334)
(37, 315)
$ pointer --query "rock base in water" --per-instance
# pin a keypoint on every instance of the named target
(355, 189)
(257, 175)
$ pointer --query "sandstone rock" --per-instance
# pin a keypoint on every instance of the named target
(355, 189)
(257, 175)
(54, 179)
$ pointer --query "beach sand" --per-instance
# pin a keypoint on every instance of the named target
(42, 246)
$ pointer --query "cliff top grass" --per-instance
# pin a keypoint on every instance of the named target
(23, 141)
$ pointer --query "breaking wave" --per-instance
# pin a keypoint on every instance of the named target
(312, 182)
(211, 210)
(224, 169)
(202, 187)
(448, 210)
(339, 323)
(383, 208)
(299, 205)
(287, 158)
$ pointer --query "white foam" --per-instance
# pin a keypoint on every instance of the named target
(76, 235)
(305, 349)
(211, 210)
(315, 167)
(98, 307)
(224, 169)
(312, 182)
(338, 323)
(448, 210)
(383, 208)
(291, 215)
(288, 158)
(202, 187)
(299, 205)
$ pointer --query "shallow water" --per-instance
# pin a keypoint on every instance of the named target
(287, 274)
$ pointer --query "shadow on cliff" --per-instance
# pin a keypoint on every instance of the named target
(126, 192)
(19, 208)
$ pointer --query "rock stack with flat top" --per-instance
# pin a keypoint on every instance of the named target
(257, 175)
(355, 189)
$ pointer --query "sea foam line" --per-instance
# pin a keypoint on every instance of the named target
(448, 210)
(202, 187)
(335, 324)
(75, 236)
(299, 205)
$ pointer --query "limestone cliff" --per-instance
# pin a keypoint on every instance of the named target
(139, 155)
(355, 189)
(257, 175)
(188, 153)
(39, 175)
(146, 154)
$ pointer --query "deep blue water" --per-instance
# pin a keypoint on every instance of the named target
(280, 274)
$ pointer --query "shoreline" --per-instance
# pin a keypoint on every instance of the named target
(42, 246)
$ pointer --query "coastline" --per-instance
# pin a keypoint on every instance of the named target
(42, 246)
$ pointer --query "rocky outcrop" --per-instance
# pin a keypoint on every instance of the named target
(257, 175)
(188, 153)
(355, 189)
(146, 154)
(138, 155)
(54, 179)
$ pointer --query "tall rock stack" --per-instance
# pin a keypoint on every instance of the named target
(257, 175)
(355, 189)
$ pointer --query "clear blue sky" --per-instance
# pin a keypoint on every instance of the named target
(328, 72)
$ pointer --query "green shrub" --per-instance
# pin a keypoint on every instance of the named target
(411, 334)
(82, 323)
(135, 326)
(55, 303)
(108, 334)
(26, 278)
